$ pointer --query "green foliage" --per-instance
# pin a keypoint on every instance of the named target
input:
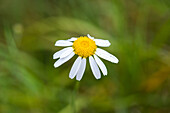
(139, 34)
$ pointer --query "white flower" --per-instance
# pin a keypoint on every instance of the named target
(84, 46)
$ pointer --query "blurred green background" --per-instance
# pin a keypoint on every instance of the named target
(139, 31)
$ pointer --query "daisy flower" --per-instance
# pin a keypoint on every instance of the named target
(85, 47)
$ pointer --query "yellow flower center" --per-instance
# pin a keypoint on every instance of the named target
(84, 47)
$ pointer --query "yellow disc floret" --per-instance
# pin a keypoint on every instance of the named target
(84, 47)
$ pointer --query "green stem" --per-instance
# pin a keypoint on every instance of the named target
(74, 94)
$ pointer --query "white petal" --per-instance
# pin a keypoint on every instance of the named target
(58, 53)
(94, 68)
(63, 60)
(101, 65)
(72, 39)
(75, 68)
(90, 36)
(81, 70)
(63, 43)
(102, 43)
(67, 52)
(105, 55)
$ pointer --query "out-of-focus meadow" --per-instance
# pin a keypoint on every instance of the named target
(139, 31)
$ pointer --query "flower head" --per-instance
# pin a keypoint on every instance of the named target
(84, 47)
